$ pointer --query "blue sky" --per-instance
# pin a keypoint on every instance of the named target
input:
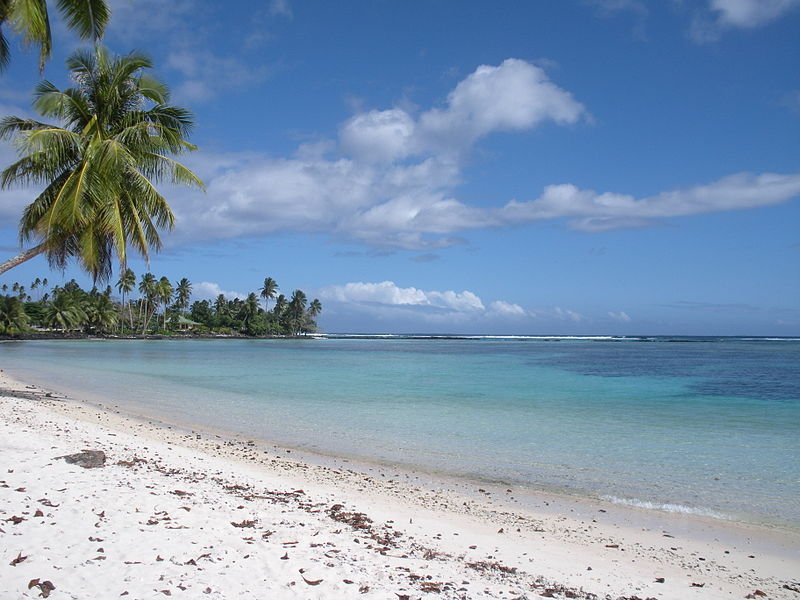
(586, 166)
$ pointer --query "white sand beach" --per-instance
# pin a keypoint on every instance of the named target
(199, 515)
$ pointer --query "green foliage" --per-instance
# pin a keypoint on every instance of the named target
(13, 319)
(30, 18)
(72, 309)
(100, 168)
(66, 311)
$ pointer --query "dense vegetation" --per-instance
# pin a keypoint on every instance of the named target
(161, 308)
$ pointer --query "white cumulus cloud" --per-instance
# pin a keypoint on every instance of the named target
(391, 178)
(387, 293)
(507, 309)
(208, 290)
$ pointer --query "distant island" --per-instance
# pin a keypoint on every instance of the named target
(161, 309)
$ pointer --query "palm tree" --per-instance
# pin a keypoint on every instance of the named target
(164, 293)
(12, 316)
(220, 305)
(147, 289)
(314, 308)
(101, 167)
(268, 291)
(125, 285)
(64, 312)
(101, 313)
(249, 310)
(30, 18)
(280, 306)
(183, 294)
(297, 311)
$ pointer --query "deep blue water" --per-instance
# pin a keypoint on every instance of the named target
(704, 425)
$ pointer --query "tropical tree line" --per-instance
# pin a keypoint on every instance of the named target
(151, 305)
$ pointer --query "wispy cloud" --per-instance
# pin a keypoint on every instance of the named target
(725, 15)
(174, 28)
(620, 316)
(205, 75)
(710, 18)
(747, 14)
(280, 8)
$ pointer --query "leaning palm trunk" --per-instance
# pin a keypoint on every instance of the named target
(24, 257)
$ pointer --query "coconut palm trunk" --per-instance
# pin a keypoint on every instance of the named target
(23, 257)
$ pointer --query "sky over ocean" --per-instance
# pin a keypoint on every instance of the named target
(587, 166)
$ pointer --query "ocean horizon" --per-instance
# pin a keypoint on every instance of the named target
(688, 424)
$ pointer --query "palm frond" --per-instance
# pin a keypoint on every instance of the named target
(12, 126)
(88, 17)
(30, 19)
(5, 54)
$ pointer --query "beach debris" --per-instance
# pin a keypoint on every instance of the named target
(612, 545)
(244, 523)
(88, 459)
(757, 594)
(38, 513)
(45, 587)
(16, 520)
(485, 565)
(793, 587)
(698, 585)
(131, 463)
(356, 520)
(285, 556)
(46, 502)
(660, 580)
(18, 560)
(309, 581)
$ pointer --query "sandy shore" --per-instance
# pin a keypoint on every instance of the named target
(199, 515)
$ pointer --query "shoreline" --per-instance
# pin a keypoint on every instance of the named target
(542, 540)
(527, 495)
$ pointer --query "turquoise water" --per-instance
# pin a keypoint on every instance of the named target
(685, 424)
